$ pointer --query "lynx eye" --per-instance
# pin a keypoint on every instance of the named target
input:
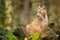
(40, 12)
(44, 8)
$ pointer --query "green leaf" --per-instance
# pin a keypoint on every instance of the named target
(11, 36)
(34, 36)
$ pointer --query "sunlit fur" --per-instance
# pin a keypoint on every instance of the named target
(38, 23)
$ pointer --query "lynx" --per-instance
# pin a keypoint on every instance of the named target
(38, 23)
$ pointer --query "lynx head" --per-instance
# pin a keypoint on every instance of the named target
(41, 12)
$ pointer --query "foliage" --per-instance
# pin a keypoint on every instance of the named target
(2, 10)
(11, 36)
(1, 25)
(34, 36)
(6, 35)
(19, 33)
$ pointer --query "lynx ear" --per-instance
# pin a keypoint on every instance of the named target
(39, 8)
(43, 7)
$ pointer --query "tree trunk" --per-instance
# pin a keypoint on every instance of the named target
(8, 13)
(24, 16)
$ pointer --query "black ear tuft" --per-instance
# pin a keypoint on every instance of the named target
(38, 4)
